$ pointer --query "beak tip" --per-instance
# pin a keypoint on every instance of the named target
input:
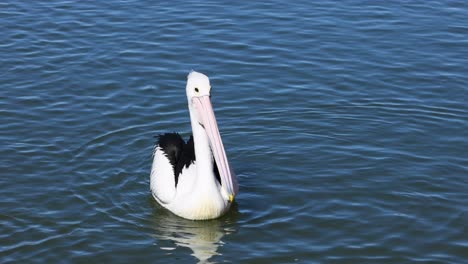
(231, 198)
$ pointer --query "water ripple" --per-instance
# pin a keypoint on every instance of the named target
(346, 125)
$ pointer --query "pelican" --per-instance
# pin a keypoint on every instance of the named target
(193, 179)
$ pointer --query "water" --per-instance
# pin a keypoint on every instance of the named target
(346, 123)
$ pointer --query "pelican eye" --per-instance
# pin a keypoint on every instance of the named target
(196, 90)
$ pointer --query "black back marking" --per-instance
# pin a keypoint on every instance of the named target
(187, 158)
(181, 154)
(172, 145)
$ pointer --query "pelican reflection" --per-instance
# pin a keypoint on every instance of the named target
(204, 238)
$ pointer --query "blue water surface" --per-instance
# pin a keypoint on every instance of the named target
(345, 121)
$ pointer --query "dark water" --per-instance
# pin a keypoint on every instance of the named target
(345, 121)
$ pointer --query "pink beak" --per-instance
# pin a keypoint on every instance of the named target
(206, 113)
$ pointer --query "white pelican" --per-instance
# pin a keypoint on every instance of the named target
(194, 180)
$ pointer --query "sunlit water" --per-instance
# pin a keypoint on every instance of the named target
(346, 123)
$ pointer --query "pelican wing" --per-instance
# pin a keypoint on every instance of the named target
(171, 156)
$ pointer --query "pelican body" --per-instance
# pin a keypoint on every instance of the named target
(193, 179)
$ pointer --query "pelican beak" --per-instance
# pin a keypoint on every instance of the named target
(206, 114)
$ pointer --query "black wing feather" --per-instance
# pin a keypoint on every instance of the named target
(180, 153)
(172, 145)
(187, 157)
